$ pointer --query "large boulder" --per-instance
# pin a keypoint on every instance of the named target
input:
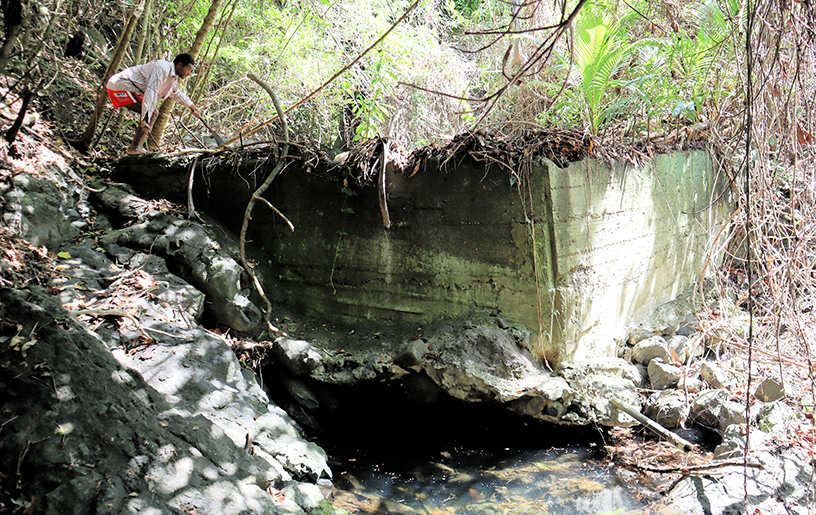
(100, 439)
(47, 208)
(194, 254)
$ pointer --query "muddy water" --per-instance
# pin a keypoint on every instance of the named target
(454, 458)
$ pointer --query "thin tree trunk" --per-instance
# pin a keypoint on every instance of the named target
(201, 35)
(83, 144)
(13, 23)
(144, 36)
(11, 134)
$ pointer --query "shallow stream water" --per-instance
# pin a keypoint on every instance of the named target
(466, 460)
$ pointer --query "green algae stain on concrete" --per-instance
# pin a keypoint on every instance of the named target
(610, 245)
(573, 255)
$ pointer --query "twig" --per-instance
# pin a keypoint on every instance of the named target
(688, 469)
(114, 313)
(27, 444)
(175, 336)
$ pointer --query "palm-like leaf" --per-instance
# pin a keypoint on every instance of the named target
(598, 53)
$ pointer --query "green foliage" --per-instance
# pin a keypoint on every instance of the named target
(627, 66)
(327, 508)
(600, 50)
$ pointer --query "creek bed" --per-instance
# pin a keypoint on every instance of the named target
(464, 459)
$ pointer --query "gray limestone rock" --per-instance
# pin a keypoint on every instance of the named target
(707, 406)
(298, 356)
(690, 383)
(776, 417)
(731, 413)
(45, 208)
(602, 379)
(782, 485)
(668, 410)
(663, 375)
(412, 355)
(734, 441)
(122, 447)
(651, 348)
(199, 258)
(770, 389)
(717, 376)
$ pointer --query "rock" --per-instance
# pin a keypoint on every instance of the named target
(733, 442)
(776, 417)
(298, 356)
(769, 390)
(662, 375)
(303, 459)
(692, 384)
(40, 207)
(602, 379)
(197, 256)
(120, 446)
(717, 376)
(731, 413)
(706, 408)
(611, 367)
(654, 347)
(781, 486)
(668, 410)
(306, 495)
(685, 347)
(412, 355)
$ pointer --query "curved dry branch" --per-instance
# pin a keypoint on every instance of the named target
(257, 196)
(322, 86)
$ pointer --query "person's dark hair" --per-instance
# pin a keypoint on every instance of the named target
(184, 59)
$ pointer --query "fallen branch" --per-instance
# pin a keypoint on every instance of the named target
(257, 195)
(681, 443)
(114, 313)
(689, 469)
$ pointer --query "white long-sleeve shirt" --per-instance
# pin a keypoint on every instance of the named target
(155, 80)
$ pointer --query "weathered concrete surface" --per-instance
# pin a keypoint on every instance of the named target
(610, 243)
(628, 239)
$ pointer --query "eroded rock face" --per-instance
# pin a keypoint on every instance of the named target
(100, 439)
(141, 410)
(47, 208)
(472, 360)
(200, 259)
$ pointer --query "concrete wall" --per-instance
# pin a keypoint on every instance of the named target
(628, 239)
(610, 243)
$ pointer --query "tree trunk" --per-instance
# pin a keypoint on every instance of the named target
(144, 36)
(83, 144)
(13, 23)
(167, 106)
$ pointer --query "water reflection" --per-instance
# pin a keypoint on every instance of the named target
(389, 456)
(466, 482)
